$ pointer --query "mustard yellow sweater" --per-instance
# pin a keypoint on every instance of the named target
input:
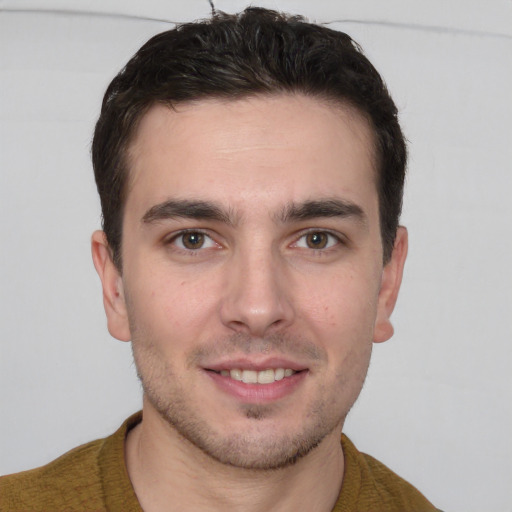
(93, 478)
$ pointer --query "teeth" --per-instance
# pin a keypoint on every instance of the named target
(249, 376)
(253, 377)
(266, 377)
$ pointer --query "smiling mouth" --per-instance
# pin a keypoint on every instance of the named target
(267, 376)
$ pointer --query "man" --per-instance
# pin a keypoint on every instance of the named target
(250, 170)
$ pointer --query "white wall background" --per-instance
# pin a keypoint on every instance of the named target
(437, 404)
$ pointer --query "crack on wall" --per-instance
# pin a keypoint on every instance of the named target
(381, 23)
(96, 14)
(423, 28)
(214, 10)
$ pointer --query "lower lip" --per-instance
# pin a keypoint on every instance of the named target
(258, 393)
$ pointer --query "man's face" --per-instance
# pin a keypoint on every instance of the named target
(252, 271)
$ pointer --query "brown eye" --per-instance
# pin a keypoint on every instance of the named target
(193, 240)
(317, 240)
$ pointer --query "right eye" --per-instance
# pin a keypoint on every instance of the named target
(317, 240)
(193, 240)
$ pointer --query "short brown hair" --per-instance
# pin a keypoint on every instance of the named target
(257, 51)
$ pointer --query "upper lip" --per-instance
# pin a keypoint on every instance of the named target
(255, 364)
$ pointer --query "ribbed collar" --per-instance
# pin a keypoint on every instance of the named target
(118, 492)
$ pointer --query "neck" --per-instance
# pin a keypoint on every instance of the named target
(165, 469)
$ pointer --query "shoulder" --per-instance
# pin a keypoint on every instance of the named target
(70, 482)
(370, 485)
(91, 477)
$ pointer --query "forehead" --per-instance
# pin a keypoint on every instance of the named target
(252, 149)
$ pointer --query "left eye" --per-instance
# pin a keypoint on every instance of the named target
(193, 240)
(317, 240)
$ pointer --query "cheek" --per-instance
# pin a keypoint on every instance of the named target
(343, 304)
(169, 305)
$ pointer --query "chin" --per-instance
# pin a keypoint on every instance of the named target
(253, 438)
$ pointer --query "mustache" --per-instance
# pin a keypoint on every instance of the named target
(240, 343)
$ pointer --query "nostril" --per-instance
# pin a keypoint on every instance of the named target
(254, 299)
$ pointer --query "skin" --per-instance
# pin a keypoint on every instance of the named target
(272, 281)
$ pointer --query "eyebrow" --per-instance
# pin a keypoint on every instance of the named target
(206, 210)
(188, 209)
(322, 208)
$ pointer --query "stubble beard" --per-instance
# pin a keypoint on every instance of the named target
(257, 450)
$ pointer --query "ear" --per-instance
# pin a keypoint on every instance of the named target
(390, 285)
(112, 283)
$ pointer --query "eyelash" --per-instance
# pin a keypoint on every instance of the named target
(173, 239)
(338, 240)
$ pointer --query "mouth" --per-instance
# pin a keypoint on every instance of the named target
(257, 383)
(266, 376)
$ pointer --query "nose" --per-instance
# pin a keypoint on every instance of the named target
(258, 294)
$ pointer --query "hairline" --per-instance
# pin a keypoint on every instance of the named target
(344, 105)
